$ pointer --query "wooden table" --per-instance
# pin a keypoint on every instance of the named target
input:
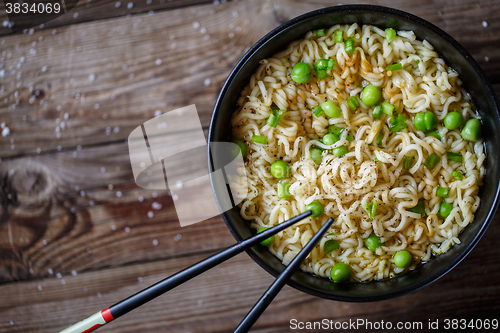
(77, 234)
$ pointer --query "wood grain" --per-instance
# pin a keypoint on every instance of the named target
(73, 222)
(78, 210)
(92, 10)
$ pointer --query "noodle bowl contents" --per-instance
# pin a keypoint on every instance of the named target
(367, 126)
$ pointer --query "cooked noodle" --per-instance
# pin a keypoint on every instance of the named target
(367, 172)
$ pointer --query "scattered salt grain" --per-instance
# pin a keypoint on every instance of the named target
(119, 194)
(231, 35)
(155, 242)
(485, 24)
(196, 25)
(91, 76)
(59, 148)
(157, 113)
(154, 195)
(151, 214)
(130, 5)
(11, 322)
(74, 273)
(175, 197)
(141, 198)
(63, 281)
(75, 154)
(207, 82)
(113, 227)
(235, 14)
(58, 275)
(116, 129)
(39, 150)
(91, 203)
(177, 237)
(99, 295)
(40, 287)
(45, 68)
(203, 30)
(51, 271)
(5, 131)
(75, 15)
(44, 242)
(127, 229)
(118, 4)
(158, 62)
(486, 59)
(156, 205)
(140, 279)
(89, 250)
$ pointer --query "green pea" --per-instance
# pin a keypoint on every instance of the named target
(371, 95)
(243, 147)
(280, 169)
(472, 130)
(340, 272)
(316, 155)
(425, 121)
(340, 151)
(402, 259)
(331, 110)
(301, 73)
(267, 241)
(316, 207)
(445, 209)
(453, 120)
(372, 243)
(330, 138)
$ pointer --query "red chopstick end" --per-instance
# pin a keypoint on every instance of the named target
(106, 315)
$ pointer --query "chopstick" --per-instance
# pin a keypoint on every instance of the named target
(280, 281)
(119, 309)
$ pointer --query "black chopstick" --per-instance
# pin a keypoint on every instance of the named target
(280, 281)
(119, 309)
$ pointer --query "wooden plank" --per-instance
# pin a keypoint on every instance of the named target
(209, 303)
(81, 210)
(87, 10)
(117, 77)
(108, 68)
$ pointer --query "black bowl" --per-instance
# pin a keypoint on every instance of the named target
(475, 83)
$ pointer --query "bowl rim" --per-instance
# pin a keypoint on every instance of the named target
(353, 8)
